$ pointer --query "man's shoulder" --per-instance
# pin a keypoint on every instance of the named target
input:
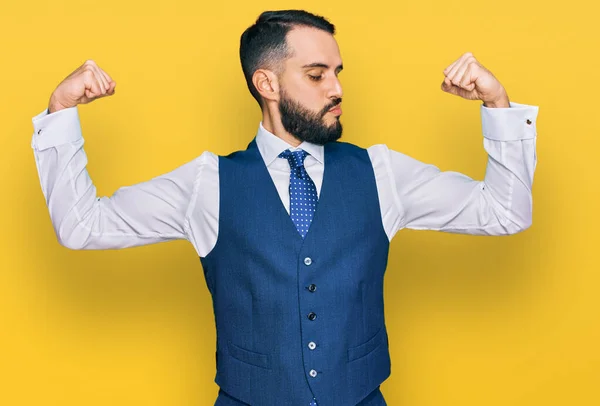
(207, 157)
(241, 155)
(344, 146)
(349, 147)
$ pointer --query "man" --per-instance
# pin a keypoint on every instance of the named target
(293, 232)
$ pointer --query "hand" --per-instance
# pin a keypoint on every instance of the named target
(84, 85)
(467, 78)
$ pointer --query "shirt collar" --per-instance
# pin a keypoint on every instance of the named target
(270, 146)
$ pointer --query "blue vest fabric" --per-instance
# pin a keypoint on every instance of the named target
(375, 398)
(274, 292)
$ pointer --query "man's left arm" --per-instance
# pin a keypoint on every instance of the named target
(500, 204)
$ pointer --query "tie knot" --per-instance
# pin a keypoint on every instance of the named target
(295, 158)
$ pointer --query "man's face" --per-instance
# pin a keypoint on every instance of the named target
(309, 87)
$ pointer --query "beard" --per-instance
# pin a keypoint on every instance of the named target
(307, 125)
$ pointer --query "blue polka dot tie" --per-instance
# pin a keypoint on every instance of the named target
(303, 193)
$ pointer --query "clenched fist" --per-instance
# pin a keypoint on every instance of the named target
(86, 84)
(467, 78)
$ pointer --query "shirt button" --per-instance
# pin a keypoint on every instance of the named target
(312, 287)
(312, 316)
(307, 261)
(39, 131)
(528, 121)
(313, 373)
(312, 345)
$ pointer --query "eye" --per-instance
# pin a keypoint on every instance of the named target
(315, 78)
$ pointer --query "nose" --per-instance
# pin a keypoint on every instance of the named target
(335, 89)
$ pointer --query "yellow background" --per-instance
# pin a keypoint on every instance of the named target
(472, 320)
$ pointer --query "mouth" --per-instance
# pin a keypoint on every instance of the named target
(337, 110)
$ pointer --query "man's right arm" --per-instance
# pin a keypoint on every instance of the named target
(141, 214)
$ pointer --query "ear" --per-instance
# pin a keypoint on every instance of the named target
(266, 83)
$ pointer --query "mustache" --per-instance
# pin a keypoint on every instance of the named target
(331, 105)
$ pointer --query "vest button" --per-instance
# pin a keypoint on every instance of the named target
(312, 316)
(313, 373)
(307, 261)
(312, 345)
(312, 287)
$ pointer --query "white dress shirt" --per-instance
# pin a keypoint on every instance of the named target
(184, 203)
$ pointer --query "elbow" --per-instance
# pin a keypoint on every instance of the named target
(68, 238)
(67, 242)
(520, 215)
(520, 226)
(72, 231)
(510, 224)
(526, 225)
(523, 218)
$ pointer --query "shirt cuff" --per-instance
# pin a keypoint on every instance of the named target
(517, 122)
(60, 127)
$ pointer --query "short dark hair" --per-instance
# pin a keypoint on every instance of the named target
(263, 45)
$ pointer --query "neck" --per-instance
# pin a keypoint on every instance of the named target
(272, 122)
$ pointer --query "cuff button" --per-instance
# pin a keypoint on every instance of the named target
(39, 131)
(528, 121)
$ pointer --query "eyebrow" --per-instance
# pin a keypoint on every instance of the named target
(322, 65)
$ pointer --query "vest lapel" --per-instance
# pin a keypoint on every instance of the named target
(272, 190)
(323, 202)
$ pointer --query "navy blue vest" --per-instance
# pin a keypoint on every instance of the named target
(299, 318)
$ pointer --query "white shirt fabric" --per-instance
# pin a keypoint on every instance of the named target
(184, 203)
